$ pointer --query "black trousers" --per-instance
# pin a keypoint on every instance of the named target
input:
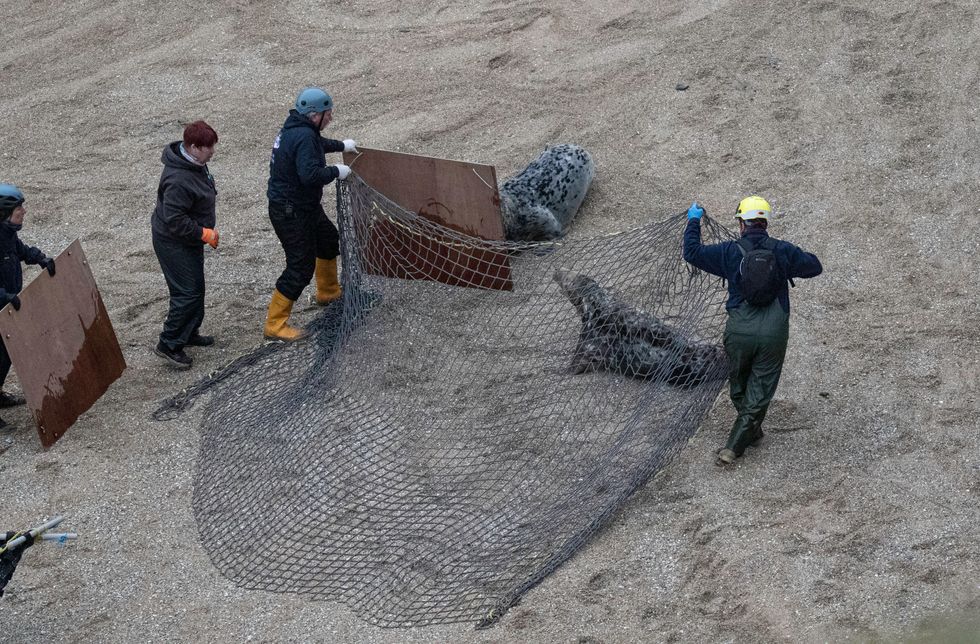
(305, 235)
(4, 364)
(183, 268)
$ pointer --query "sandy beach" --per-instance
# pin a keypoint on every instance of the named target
(856, 520)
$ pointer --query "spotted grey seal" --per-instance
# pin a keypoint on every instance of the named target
(539, 203)
(635, 343)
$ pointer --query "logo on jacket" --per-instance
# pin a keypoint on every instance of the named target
(275, 146)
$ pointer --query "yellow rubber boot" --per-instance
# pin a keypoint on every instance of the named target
(277, 323)
(327, 287)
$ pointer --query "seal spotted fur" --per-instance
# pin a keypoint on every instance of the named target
(635, 343)
(539, 203)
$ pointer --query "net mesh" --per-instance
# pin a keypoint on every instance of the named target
(430, 454)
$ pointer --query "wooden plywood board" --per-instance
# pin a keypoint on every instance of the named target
(394, 252)
(62, 344)
(459, 195)
(456, 194)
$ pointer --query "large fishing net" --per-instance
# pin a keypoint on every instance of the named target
(436, 449)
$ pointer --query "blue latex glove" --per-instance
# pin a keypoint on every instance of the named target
(695, 211)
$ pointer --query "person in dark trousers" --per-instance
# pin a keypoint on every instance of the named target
(12, 252)
(183, 222)
(297, 174)
(755, 334)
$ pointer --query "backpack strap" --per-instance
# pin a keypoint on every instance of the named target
(770, 243)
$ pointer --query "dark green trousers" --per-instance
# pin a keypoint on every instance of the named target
(755, 341)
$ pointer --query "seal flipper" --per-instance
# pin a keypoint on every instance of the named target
(539, 224)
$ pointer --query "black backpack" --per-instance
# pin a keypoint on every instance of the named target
(761, 276)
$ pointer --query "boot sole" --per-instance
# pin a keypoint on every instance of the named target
(725, 457)
(315, 302)
(180, 366)
(278, 339)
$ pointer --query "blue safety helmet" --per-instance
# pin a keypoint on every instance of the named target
(313, 99)
(10, 198)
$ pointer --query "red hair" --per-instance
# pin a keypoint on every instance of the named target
(200, 134)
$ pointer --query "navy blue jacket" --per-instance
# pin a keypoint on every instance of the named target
(185, 199)
(724, 259)
(297, 169)
(12, 252)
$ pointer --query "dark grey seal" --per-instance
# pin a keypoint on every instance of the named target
(619, 338)
(539, 203)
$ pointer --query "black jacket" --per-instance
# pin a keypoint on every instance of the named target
(12, 252)
(724, 259)
(297, 169)
(185, 198)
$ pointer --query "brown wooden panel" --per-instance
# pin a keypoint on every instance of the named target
(456, 194)
(62, 344)
(394, 252)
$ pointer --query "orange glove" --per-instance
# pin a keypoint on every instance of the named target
(210, 237)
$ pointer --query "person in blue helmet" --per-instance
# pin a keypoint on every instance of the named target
(297, 173)
(12, 252)
(759, 270)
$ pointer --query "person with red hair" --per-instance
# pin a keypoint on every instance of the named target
(183, 222)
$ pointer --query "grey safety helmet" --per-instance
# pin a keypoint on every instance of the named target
(10, 198)
(313, 99)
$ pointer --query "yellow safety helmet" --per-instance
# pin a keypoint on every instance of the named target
(753, 207)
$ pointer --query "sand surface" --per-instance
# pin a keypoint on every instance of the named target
(858, 120)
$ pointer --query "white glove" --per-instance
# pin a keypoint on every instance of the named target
(344, 170)
(350, 145)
